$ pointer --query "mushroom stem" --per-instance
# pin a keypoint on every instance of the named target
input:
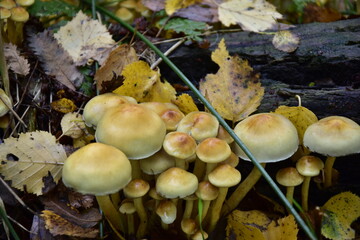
(206, 205)
(305, 193)
(241, 191)
(290, 194)
(189, 205)
(136, 170)
(110, 212)
(199, 168)
(328, 171)
(140, 209)
(216, 208)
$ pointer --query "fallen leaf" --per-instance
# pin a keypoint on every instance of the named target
(172, 6)
(185, 103)
(17, 63)
(85, 38)
(255, 15)
(192, 29)
(235, 90)
(73, 125)
(62, 67)
(286, 41)
(60, 226)
(161, 92)
(339, 212)
(63, 105)
(31, 157)
(282, 229)
(115, 63)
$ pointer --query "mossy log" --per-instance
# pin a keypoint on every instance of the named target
(328, 59)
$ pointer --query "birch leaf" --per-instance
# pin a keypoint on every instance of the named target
(172, 6)
(31, 157)
(185, 103)
(235, 90)
(251, 15)
(286, 41)
(84, 38)
(283, 229)
(62, 67)
(17, 63)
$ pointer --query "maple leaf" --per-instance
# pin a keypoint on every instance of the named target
(172, 6)
(251, 15)
(234, 91)
(17, 63)
(31, 157)
(84, 38)
(62, 67)
(115, 63)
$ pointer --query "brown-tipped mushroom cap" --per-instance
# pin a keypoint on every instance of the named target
(19, 14)
(176, 183)
(189, 226)
(333, 136)
(179, 144)
(166, 210)
(270, 137)
(289, 177)
(206, 191)
(135, 130)
(136, 188)
(25, 3)
(157, 163)
(4, 13)
(199, 125)
(8, 4)
(127, 207)
(224, 176)
(97, 106)
(309, 166)
(97, 169)
(213, 150)
(224, 135)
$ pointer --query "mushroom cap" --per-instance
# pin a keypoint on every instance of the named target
(136, 188)
(232, 160)
(224, 135)
(333, 136)
(135, 130)
(224, 175)
(127, 207)
(213, 150)
(4, 13)
(3, 108)
(166, 210)
(98, 105)
(124, 14)
(270, 137)
(19, 14)
(189, 226)
(309, 166)
(176, 183)
(199, 235)
(97, 169)
(199, 125)
(8, 4)
(289, 177)
(25, 3)
(206, 191)
(157, 163)
(179, 144)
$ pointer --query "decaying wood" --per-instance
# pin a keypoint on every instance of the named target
(328, 55)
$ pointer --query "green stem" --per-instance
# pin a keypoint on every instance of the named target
(3, 66)
(8, 224)
(216, 114)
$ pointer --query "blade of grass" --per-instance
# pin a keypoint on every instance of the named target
(216, 114)
(8, 224)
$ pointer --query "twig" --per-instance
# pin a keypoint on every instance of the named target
(170, 50)
(12, 111)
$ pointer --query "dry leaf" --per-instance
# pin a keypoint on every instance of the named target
(18, 64)
(62, 67)
(84, 38)
(63, 105)
(115, 63)
(31, 157)
(185, 103)
(339, 212)
(286, 41)
(60, 226)
(144, 84)
(254, 15)
(285, 229)
(73, 125)
(172, 6)
(234, 91)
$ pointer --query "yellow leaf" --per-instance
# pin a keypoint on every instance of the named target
(285, 229)
(300, 116)
(144, 84)
(63, 105)
(256, 15)
(60, 226)
(246, 225)
(286, 41)
(235, 90)
(185, 103)
(339, 212)
(172, 6)
(29, 158)
(73, 125)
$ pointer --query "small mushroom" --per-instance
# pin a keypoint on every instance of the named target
(290, 178)
(333, 136)
(207, 193)
(167, 211)
(127, 208)
(16, 22)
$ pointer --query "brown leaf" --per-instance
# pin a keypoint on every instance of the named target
(78, 200)
(16, 62)
(115, 63)
(60, 226)
(55, 60)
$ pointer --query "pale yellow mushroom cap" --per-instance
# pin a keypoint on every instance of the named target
(180, 145)
(25, 3)
(4, 13)
(270, 137)
(213, 150)
(289, 177)
(19, 14)
(136, 188)
(97, 169)
(157, 163)
(8, 4)
(309, 166)
(333, 136)
(224, 175)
